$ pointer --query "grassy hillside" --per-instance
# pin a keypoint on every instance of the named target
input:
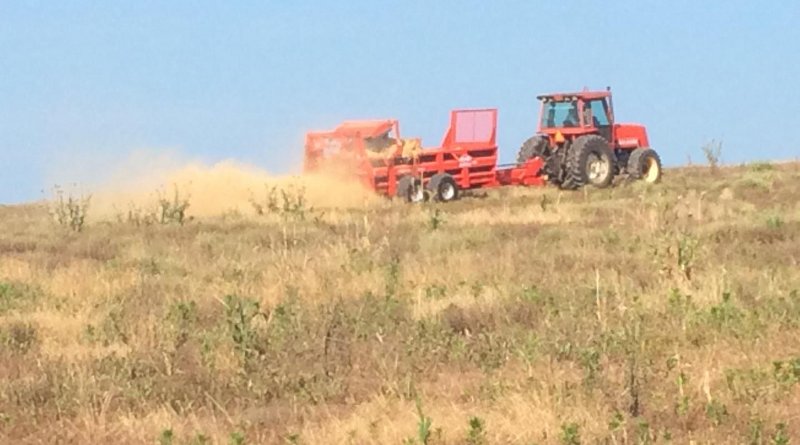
(634, 315)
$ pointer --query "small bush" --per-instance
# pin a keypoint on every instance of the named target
(545, 201)
(756, 432)
(166, 437)
(173, 210)
(774, 222)
(392, 277)
(786, 373)
(713, 153)
(682, 404)
(726, 313)
(435, 219)
(68, 210)
(687, 249)
(236, 438)
(139, 216)
(200, 439)
(477, 432)
(18, 337)
(645, 435)
(716, 412)
(14, 296)
(239, 314)
(289, 203)
(293, 439)
(424, 424)
(761, 167)
(570, 434)
(435, 292)
(617, 422)
(181, 317)
(780, 437)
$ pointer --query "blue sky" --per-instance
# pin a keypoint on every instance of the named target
(83, 83)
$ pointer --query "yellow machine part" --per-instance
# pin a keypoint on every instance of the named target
(409, 148)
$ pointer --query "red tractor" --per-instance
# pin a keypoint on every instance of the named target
(581, 144)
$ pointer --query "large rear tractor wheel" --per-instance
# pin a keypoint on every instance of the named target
(644, 164)
(443, 188)
(410, 189)
(590, 161)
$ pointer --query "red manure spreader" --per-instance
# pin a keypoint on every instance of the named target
(373, 151)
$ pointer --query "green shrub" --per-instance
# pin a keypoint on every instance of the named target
(570, 434)
(289, 203)
(477, 432)
(166, 437)
(781, 436)
(239, 315)
(173, 210)
(181, 317)
(435, 219)
(236, 438)
(761, 167)
(16, 296)
(716, 412)
(774, 222)
(68, 210)
(19, 337)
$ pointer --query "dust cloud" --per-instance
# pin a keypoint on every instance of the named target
(142, 179)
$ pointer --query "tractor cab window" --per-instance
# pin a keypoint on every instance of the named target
(595, 113)
(560, 114)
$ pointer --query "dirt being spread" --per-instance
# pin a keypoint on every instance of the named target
(214, 189)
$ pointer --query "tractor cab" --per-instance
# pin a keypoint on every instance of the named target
(575, 114)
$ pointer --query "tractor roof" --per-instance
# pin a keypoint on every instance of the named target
(365, 128)
(585, 95)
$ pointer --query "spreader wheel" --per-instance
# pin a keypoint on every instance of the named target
(644, 164)
(443, 187)
(410, 189)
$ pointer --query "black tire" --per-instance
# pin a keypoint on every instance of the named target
(408, 189)
(590, 161)
(538, 146)
(644, 164)
(533, 147)
(442, 187)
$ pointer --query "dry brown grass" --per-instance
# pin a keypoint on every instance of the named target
(640, 314)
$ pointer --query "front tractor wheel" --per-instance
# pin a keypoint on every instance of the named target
(443, 187)
(644, 164)
(590, 161)
(410, 189)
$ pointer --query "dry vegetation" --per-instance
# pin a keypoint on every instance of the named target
(635, 315)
